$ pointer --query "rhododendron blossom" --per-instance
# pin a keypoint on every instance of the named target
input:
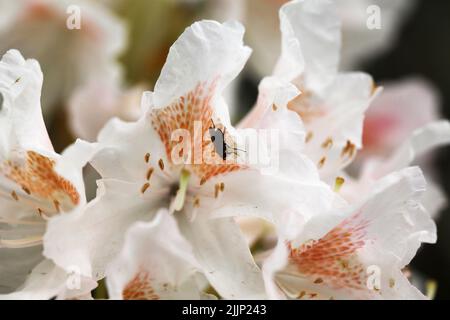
(189, 205)
(139, 174)
(33, 187)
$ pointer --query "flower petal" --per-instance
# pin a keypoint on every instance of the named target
(21, 122)
(334, 253)
(78, 238)
(311, 42)
(222, 251)
(205, 52)
(156, 262)
(421, 141)
(46, 281)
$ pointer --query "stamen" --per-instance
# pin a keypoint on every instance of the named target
(147, 157)
(216, 190)
(196, 202)
(57, 205)
(318, 281)
(145, 187)
(309, 136)
(14, 195)
(274, 107)
(391, 283)
(149, 173)
(21, 243)
(348, 150)
(161, 164)
(27, 191)
(42, 214)
(431, 288)
(22, 222)
(222, 187)
(338, 184)
(328, 143)
(180, 197)
(322, 162)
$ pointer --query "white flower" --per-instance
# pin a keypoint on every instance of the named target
(156, 262)
(418, 144)
(331, 104)
(33, 188)
(401, 108)
(360, 43)
(69, 57)
(106, 99)
(400, 128)
(140, 174)
(357, 251)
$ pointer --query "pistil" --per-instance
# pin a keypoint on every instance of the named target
(180, 197)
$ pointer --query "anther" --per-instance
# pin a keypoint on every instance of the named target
(144, 187)
(309, 136)
(161, 164)
(14, 195)
(147, 157)
(216, 190)
(328, 143)
(196, 202)
(57, 205)
(318, 281)
(322, 162)
(349, 149)
(149, 173)
(27, 191)
(338, 183)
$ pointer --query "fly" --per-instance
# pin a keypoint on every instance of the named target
(218, 140)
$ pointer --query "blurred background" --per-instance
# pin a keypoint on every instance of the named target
(98, 57)
(423, 48)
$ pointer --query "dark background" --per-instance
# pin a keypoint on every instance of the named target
(423, 48)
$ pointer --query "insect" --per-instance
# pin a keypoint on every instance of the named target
(218, 140)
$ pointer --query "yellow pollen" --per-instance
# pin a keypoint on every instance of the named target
(338, 184)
